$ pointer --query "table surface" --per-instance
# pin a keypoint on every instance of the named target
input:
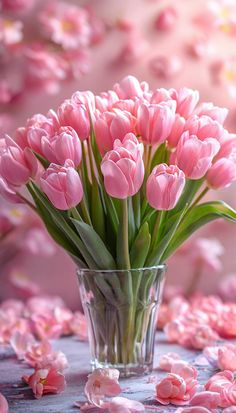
(20, 396)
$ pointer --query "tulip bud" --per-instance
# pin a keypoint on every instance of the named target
(64, 145)
(123, 168)
(154, 122)
(222, 173)
(17, 165)
(62, 185)
(194, 156)
(186, 99)
(112, 125)
(130, 87)
(165, 186)
(74, 114)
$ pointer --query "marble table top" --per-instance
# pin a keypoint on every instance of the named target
(20, 396)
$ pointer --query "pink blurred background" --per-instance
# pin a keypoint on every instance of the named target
(133, 43)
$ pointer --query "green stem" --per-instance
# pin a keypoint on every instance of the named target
(123, 238)
(201, 195)
(75, 214)
(156, 229)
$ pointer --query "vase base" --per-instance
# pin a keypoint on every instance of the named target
(126, 370)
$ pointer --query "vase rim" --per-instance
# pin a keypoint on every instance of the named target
(89, 270)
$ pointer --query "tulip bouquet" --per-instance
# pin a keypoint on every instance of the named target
(118, 179)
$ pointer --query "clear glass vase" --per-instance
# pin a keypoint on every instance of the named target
(121, 309)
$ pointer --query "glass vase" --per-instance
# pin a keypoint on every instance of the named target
(121, 309)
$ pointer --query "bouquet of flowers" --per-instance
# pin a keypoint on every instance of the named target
(118, 180)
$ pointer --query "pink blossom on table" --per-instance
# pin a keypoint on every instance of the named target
(166, 67)
(21, 342)
(123, 167)
(44, 304)
(164, 186)
(17, 165)
(186, 99)
(45, 326)
(17, 5)
(9, 324)
(195, 156)
(13, 307)
(41, 355)
(45, 69)
(65, 144)
(175, 389)
(193, 409)
(66, 25)
(167, 360)
(166, 19)
(224, 384)
(38, 242)
(227, 288)
(214, 112)
(225, 324)
(174, 329)
(155, 121)
(130, 87)
(3, 404)
(75, 114)
(208, 399)
(133, 48)
(211, 355)
(185, 370)
(10, 32)
(78, 326)
(62, 185)
(123, 405)
(227, 357)
(222, 173)
(231, 409)
(101, 383)
(112, 125)
(8, 193)
(64, 317)
(200, 337)
(22, 283)
(45, 381)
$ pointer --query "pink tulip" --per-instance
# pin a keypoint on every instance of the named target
(222, 173)
(208, 399)
(160, 95)
(112, 125)
(165, 186)
(101, 383)
(45, 381)
(3, 404)
(194, 156)
(8, 193)
(186, 100)
(106, 100)
(175, 390)
(62, 185)
(166, 19)
(123, 168)
(214, 112)
(155, 121)
(227, 357)
(176, 131)
(228, 146)
(74, 114)
(167, 360)
(65, 144)
(204, 127)
(85, 98)
(123, 405)
(17, 165)
(130, 87)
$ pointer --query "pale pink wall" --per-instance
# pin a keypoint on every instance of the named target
(57, 273)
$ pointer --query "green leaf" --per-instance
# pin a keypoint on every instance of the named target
(190, 190)
(140, 247)
(61, 223)
(95, 246)
(137, 209)
(97, 212)
(195, 218)
(131, 221)
(159, 156)
(156, 254)
(44, 162)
